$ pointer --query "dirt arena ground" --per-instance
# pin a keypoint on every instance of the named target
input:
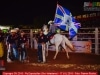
(78, 62)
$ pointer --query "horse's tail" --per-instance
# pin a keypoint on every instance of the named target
(68, 43)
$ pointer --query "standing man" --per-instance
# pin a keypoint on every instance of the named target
(12, 47)
(22, 42)
(41, 41)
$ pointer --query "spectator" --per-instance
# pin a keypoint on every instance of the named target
(22, 42)
(41, 40)
(1, 43)
(11, 44)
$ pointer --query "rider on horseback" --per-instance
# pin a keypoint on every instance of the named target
(52, 28)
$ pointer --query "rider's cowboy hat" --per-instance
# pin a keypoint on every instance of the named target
(16, 29)
(13, 30)
(50, 22)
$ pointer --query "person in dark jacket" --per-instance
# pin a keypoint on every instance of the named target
(41, 40)
(22, 42)
(11, 44)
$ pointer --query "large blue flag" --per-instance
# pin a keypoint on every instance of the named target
(73, 27)
(65, 21)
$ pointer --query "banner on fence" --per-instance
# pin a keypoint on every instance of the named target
(80, 46)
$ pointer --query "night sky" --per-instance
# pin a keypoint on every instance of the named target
(25, 12)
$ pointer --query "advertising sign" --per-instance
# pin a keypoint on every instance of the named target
(80, 46)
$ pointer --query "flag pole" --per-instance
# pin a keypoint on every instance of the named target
(55, 11)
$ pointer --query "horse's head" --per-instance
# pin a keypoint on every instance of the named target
(45, 29)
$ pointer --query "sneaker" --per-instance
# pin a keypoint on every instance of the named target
(43, 62)
(9, 61)
(39, 61)
(26, 60)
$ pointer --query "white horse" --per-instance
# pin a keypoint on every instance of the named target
(58, 40)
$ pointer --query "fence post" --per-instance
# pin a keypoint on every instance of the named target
(96, 41)
(31, 38)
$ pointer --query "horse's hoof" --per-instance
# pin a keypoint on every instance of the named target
(68, 58)
(54, 58)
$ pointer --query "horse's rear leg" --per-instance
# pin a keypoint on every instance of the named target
(56, 53)
(65, 50)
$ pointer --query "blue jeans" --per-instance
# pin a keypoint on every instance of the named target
(15, 51)
(49, 34)
(39, 52)
(23, 54)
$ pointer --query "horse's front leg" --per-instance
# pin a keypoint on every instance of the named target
(56, 53)
(46, 49)
(43, 52)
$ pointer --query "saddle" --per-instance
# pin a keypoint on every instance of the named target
(50, 36)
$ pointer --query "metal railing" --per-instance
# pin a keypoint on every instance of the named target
(84, 34)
